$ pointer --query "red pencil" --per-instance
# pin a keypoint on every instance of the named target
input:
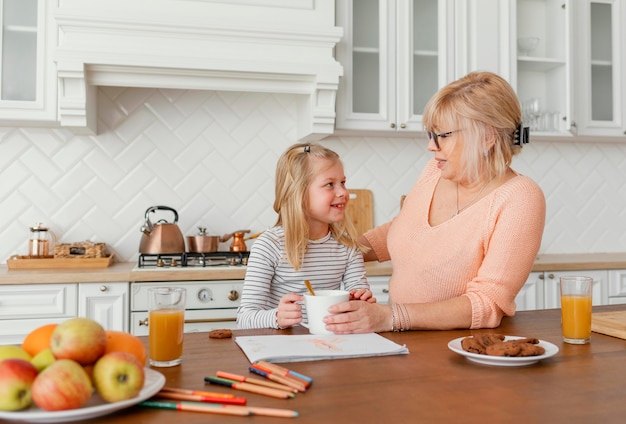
(199, 398)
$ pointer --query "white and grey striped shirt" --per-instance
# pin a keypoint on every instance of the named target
(328, 264)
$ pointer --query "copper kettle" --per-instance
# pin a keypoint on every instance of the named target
(162, 236)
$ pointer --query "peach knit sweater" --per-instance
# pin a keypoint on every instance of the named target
(485, 253)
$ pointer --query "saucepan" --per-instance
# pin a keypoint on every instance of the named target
(203, 243)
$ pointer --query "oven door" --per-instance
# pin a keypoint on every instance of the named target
(195, 321)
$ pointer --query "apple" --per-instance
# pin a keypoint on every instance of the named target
(43, 359)
(118, 376)
(16, 378)
(63, 385)
(80, 339)
(11, 351)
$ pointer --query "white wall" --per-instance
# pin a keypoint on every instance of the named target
(211, 156)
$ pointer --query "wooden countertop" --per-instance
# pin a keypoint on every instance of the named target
(125, 271)
(581, 383)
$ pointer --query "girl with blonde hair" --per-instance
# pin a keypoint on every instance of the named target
(311, 240)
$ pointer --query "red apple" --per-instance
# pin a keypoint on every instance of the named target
(61, 386)
(16, 379)
(118, 376)
(80, 339)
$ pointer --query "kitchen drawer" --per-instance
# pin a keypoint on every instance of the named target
(35, 301)
(200, 294)
(195, 321)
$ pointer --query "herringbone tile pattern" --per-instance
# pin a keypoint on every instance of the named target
(211, 156)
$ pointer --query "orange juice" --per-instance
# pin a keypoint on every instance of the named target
(166, 334)
(576, 317)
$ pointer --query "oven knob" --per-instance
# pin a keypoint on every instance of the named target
(233, 295)
(204, 295)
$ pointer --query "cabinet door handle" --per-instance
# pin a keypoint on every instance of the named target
(551, 276)
(393, 125)
(103, 288)
(403, 125)
(385, 291)
(541, 277)
(143, 322)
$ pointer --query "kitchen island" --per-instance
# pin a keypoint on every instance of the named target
(432, 384)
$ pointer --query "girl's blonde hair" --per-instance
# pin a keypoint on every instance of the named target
(294, 173)
(483, 105)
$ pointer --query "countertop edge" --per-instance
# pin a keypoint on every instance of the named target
(126, 272)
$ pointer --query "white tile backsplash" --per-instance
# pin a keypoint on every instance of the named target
(212, 155)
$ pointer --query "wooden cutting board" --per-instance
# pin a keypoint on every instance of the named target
(609, 323)
(361, 209)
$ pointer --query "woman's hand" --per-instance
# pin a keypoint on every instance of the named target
(362, 294)
(289, 313)
(358, 317)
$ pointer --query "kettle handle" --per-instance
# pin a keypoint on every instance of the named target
(166, 208)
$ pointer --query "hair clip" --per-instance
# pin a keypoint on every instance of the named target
(521, 135)
(307, 148)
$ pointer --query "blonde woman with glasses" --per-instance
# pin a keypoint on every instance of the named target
(469, 230)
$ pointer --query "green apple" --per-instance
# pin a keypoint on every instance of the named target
(43, 359)
(80, 339)
(10, 351)
(63, 385)
(16, 379)
(118, 376)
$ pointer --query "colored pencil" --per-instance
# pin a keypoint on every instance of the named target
(199, 398)
(216, 408)
(286, 371)
(267, 391)
(197, 392)
(278, 378)
(258, 381)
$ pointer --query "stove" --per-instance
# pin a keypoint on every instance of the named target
(191, 260)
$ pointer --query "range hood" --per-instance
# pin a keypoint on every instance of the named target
(273, 46)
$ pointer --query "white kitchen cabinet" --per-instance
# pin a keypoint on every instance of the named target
(380, 288)
(106, 303)
(544, 74)
(27, 71)
(396, 55)
(24, 307)
(600, 50)
(617, 286)
(541, 290)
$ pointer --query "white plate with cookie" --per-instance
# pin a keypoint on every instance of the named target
(504, 361)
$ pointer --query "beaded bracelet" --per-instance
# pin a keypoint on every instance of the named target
(400, 315)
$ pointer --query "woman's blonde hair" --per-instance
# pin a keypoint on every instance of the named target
(294, 173)
(484, 106)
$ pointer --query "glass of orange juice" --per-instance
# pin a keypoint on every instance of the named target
(576, 309)
(166, 321)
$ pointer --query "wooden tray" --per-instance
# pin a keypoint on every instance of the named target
(24, 262)
(609, 323)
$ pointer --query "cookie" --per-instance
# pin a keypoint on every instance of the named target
(220, 334)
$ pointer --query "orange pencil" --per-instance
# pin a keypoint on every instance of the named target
(200, 398)
(267, 391)
(287, 372)
(197, 392)
(267, 373)
(258, 381)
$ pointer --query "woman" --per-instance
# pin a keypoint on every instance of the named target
(469, 230)
(310, 241)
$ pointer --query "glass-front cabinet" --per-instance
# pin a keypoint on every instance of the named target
(600, 92)
(27, 83)
(394, 54)
(542, 54)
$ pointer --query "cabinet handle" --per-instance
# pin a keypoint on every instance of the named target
(551, 276)
(541, 276)
(103, 288)
(393, 125)
(385, 291)
(143, 322)
(403, 125)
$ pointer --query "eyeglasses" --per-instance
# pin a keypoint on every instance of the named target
(435, 137)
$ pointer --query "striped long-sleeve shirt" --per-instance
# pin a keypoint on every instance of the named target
(328, 264)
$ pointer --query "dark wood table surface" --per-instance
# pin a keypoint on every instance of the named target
(432, 384)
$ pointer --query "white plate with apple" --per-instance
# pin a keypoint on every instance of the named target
(95, 407)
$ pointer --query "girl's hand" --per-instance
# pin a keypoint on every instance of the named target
(362, 294)
(289, 313)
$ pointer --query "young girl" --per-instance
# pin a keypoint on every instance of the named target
(310, 241)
